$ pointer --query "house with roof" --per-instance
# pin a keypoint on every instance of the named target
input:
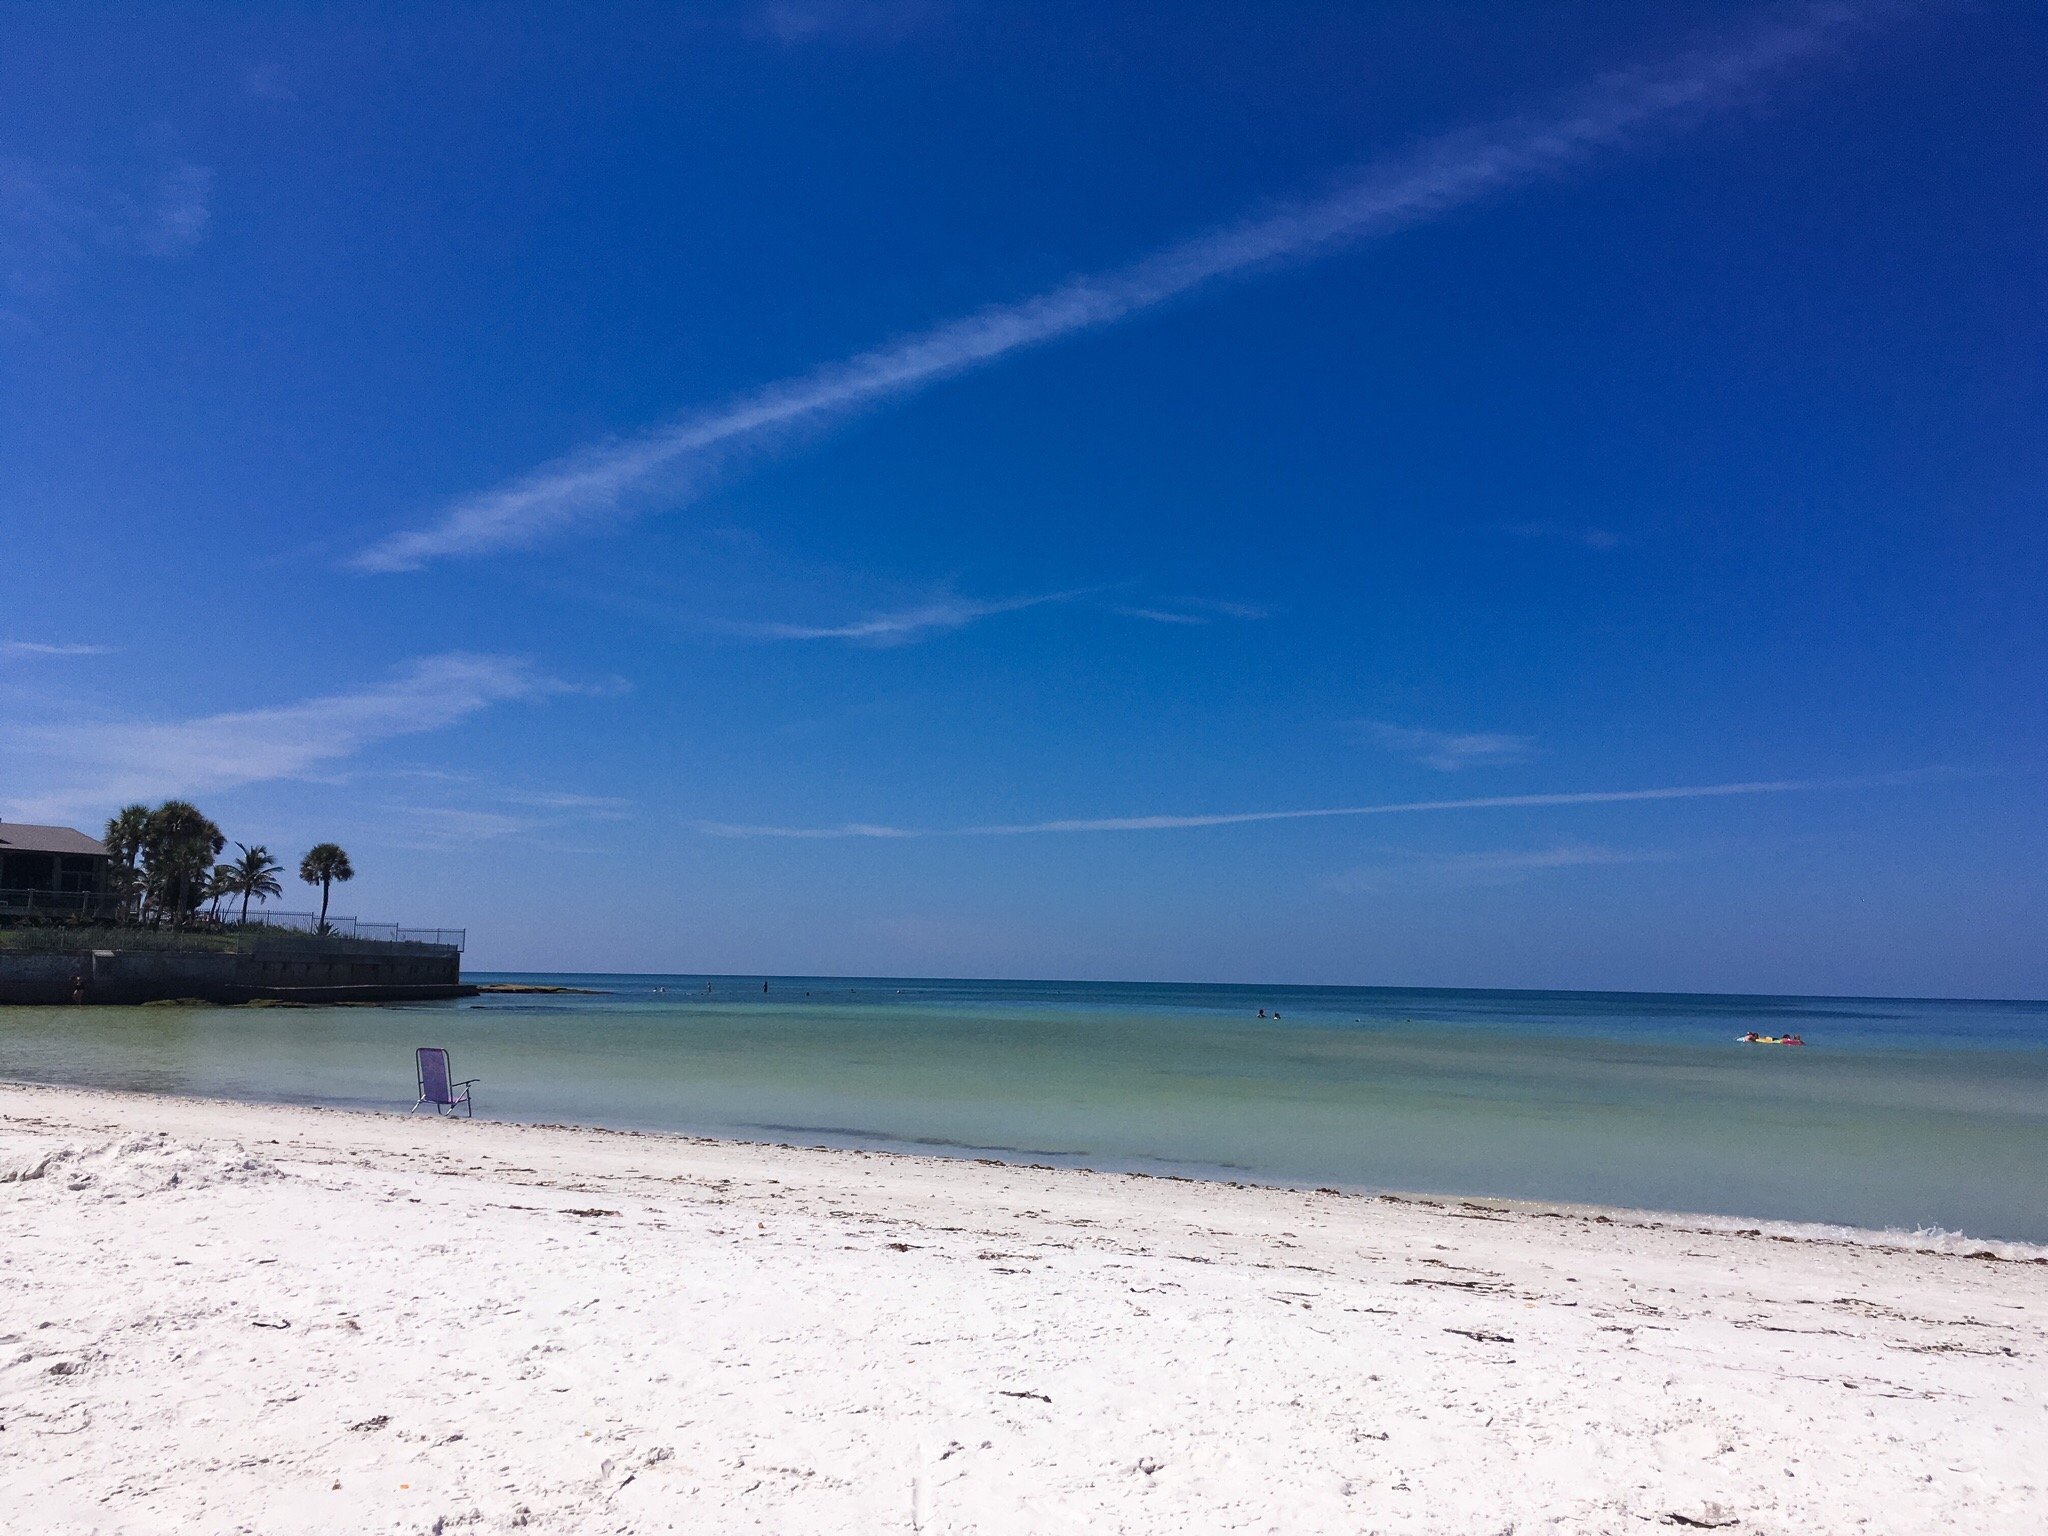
(50, 869)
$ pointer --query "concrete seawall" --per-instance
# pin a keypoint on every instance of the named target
(322, 971)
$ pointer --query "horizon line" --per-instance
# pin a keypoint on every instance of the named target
(1303, 986)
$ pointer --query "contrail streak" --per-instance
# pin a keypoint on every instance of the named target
(1391, 808)
(1616, 114)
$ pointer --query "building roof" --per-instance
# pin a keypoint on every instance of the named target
(21, 837)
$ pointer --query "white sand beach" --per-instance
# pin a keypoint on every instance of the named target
(228, 1317)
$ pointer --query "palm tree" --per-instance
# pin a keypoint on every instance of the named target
(254, 874)
(124, 890)
(125, 832)
(322, 866)
(178, 847)
(126, 829)
(219, 886)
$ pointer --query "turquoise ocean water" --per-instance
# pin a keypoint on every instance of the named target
(1897, 1114)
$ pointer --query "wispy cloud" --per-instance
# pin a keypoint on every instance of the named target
(463, 824)
(1170, 823)
(810, 21)
(42, 226)
(424, 775)
(1191, 610)
(1617, 114)
(1602, 539)
(174, 218)
(446, 826)
(483, 787)
(1451, 750)
(845, 829)
(266, 82)
(53, 218)
(492, 811)
(101, 763)
(899, 626)
(1230, 610)
(594, 807)
(1501, 866)
(49, 648)
(1500, 861)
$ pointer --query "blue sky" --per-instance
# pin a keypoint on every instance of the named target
(912, 488)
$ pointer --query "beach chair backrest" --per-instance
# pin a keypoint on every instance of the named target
(434, 1075)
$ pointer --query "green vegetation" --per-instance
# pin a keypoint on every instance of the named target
(217, 891)
(255, 874)
(125, 833)
(324, 864)
(165, 890)
(179, 844)
(164, 874)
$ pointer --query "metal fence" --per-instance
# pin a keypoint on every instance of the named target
(349, 928)
(91, 904)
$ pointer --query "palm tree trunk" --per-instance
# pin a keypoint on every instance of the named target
(245, 906)
(325, 887)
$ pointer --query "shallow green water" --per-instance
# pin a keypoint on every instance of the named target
(1899, 1114)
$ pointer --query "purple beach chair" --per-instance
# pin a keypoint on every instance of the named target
(435, 1089)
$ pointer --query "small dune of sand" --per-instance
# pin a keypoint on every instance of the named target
(221, 1317)
(147, 1164)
